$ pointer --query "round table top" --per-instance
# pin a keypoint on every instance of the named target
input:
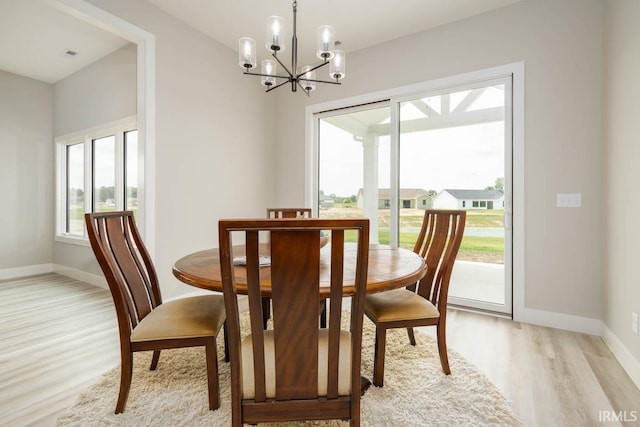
(389, 268)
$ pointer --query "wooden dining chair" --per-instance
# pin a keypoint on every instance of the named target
(297, 370)
(290, 213)
(426, 303)
(146, 323)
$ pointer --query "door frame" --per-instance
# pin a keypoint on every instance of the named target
(517, 220)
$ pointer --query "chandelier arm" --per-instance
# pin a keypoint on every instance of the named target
(322, 81)
(283, 66)
(267, 75)
(278, 85)
(315, 67)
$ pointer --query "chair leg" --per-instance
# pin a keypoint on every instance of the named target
(154, 360)
(354, 420)
(442, 349)
(323, 314)
(378, 356)
(266, 311)
(226, 343)
(412, 338)
(126, 372)
(212, 374)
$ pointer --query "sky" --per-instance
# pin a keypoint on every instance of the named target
(464, 157)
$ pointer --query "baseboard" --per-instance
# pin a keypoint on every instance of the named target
(83, 276)
(28, 270)
(567, 322)
(630, 364)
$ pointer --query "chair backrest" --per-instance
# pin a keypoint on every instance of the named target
(126, 265)
(438, 243)
(295, 271)
(288, 212)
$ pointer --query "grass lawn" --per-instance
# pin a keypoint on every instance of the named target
(473, 248)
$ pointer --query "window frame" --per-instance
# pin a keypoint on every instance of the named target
(86, 137)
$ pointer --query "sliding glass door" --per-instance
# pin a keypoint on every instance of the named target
(446, 149)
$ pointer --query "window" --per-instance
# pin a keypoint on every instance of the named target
(464, 203)
(97, 171)
(475, 204)
(483, 204)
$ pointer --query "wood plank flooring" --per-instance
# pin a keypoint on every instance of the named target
(59, 335)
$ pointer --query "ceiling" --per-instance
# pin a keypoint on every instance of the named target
(34, 35)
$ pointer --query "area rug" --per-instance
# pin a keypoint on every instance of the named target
(415, 392)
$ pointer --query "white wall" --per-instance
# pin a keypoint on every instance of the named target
(561, 45)
(102, 92)
(26, 168)
(214, 138)
(621, 293)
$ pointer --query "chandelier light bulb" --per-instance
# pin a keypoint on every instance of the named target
(337, 67)
(307, 75)
(326, 42)
(268, 67)
(247, 53)
(275, 34)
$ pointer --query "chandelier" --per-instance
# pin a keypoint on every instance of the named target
(305, 78)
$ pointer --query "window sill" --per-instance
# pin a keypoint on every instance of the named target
(80, 241)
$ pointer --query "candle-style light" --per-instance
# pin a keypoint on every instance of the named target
(275, 34)
(268, 72)
(247, 52)
(337, 69)
(326, 42)
(307, 77)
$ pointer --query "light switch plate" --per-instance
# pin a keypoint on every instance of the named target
(569, 200)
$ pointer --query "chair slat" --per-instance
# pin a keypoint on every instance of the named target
(123, 257)
(255, 305)
(337, 276)
(295, 274)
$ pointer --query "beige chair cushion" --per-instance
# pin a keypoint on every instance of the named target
(344, 366)
(399, 304)
(199, 316)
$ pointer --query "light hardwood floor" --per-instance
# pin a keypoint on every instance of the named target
(59, 335)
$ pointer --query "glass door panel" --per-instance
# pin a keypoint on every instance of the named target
(353, 166)
(452, 152)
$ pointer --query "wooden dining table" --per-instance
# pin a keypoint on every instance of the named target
(389, 268)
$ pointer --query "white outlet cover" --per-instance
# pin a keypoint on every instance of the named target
(569, 200)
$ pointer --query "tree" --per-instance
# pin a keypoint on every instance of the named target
(432, 193)
(106, 193)
(499, 185)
